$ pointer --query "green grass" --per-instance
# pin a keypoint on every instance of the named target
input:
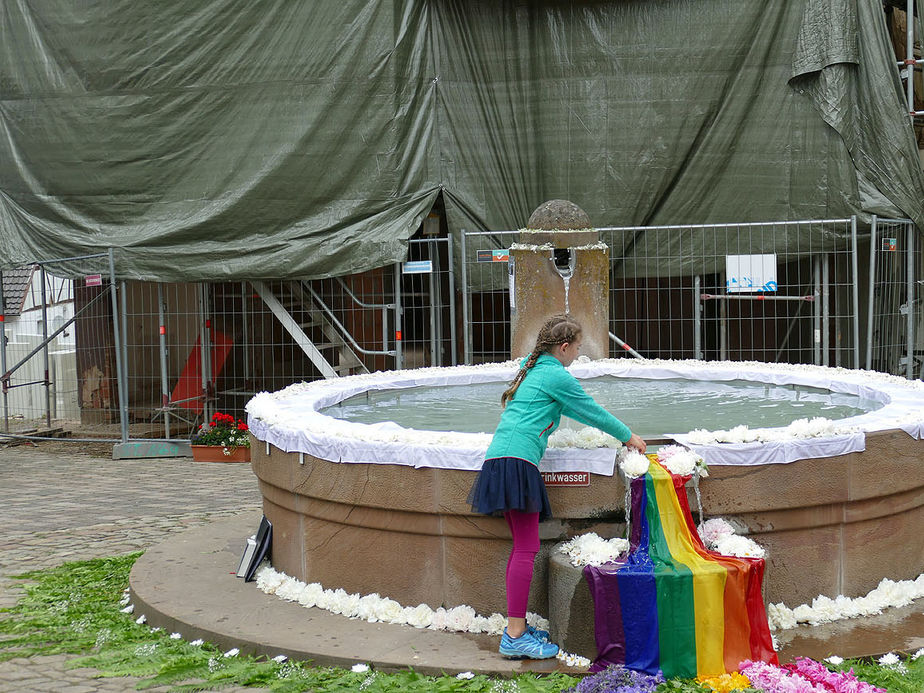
(75, 609)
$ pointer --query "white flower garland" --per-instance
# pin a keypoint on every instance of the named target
(818, 427)
(374, 608)
(888, 593)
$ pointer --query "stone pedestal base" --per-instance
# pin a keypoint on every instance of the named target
(571, 609)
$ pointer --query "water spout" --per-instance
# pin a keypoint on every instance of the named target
(563, 259)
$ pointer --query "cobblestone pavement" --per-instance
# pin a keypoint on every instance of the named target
(65, 502)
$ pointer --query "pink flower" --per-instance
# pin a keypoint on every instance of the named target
(776, 680)
(836, 681)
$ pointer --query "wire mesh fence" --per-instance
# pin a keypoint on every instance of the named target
(149, 361)
(152, 361)
(780, 291)
(783, 291)
(894, 306)
(58, 362)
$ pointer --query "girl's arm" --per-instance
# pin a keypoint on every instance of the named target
(580, 406)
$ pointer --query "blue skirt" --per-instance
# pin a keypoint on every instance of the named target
(509, 483)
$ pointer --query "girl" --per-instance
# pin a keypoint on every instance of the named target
(509, 481)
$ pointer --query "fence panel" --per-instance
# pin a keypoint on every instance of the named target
(427, 282)
(486, 295)
(894, 309)
(58, 371)
(782, 291)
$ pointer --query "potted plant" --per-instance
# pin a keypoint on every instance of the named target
(224, 439)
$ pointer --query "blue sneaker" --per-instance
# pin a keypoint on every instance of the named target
(540, 635)
(526, 647)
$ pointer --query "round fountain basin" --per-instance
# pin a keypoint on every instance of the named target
(380, 507)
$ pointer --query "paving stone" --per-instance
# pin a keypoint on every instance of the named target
(62, 506)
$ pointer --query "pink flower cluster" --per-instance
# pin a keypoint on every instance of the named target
(805, 676)
(776, 680)
(836, 681)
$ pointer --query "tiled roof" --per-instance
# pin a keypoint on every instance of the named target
(15, 286)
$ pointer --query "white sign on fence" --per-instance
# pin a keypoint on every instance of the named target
(417, 267)
(750, 273)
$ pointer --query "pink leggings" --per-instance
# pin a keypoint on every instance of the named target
(525, 530)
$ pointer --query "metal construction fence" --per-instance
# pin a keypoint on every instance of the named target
(893, 331)
(132, 362)
(149, 362)
(811, 291)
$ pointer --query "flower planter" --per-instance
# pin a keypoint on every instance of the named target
(216, 453)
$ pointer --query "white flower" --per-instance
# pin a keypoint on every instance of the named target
(268, 579)
(279, 659)
(591, 549)
(890, 659)
(781, 617)
(309, 595)
(916, 655)
(419, 616)
(197, 642)
(141, 619)
(634, 464)
(366, 607)
(176, 636)
(439, 620)
(346, 604)
(733, 545)
(128, 609)
(465, 675)
(835, 660)
(233, 652)
(360, 668)
(289, 589)
(679, 460)
(587, 438)
(460, 618)
(573, 660)
(497, 623)
(713, 530)
(389, 611)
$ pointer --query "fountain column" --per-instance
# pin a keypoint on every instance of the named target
(560, 265)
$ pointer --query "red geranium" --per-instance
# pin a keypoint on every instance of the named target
(223, 430)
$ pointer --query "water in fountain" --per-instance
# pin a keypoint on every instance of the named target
(651, 407)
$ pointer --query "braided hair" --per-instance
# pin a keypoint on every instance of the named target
(559, 329)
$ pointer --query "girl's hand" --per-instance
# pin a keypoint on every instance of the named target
(636, 443)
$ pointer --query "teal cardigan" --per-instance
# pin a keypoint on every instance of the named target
(547, 392)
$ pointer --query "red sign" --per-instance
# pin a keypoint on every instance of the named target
(94, 280)
(566, 478)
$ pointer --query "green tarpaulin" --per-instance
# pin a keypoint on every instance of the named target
(229, 140)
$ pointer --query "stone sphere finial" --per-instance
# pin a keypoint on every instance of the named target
(559, 215)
